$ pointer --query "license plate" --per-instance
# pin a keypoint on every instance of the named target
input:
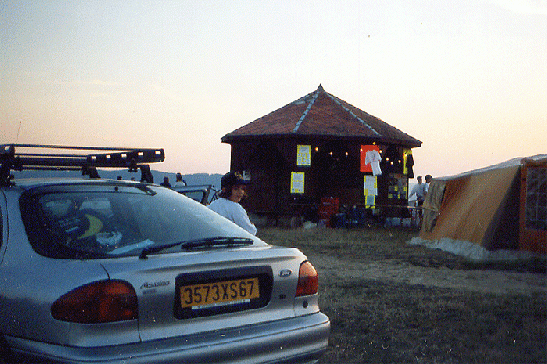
(205, 295)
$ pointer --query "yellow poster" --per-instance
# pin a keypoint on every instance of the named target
(406, 152)
(303, 155)
(297, 182)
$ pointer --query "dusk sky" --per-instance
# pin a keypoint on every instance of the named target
(467, 78)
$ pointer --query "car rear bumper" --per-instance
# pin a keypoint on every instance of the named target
(294, 340)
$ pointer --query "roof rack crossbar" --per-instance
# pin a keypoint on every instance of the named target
(51, 162)
(56, 168)
(51, 146)
(48, 155)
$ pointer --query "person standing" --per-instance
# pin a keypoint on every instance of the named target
(179, 182)
(419, 190)
(232, 192)
(428, 179)
(166, 182)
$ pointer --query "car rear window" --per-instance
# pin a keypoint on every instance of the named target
(86, 221)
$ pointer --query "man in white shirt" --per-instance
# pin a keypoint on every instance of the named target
(232, 191)
(179, 181)
(419, 190)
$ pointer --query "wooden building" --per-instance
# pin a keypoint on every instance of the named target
(314, 150)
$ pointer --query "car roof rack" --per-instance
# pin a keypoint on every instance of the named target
(87, 160)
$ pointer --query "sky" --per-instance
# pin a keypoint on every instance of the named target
(467, 78)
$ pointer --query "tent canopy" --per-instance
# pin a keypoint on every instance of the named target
(491, 206)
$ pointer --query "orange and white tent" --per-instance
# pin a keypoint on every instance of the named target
(501, 207)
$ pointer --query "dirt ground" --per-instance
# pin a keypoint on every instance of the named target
(391, 302)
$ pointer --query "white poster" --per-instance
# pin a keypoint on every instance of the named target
(297, 182)
(370, 190)
(303, 155)
(371, 185)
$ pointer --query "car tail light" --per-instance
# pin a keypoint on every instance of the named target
(98, 302)
(308, 280)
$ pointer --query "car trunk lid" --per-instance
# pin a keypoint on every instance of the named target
(189, 292)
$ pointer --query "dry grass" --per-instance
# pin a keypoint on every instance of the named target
(385, 321)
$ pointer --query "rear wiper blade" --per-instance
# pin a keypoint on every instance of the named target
(198, 244)
(157, 249)
(216, 242)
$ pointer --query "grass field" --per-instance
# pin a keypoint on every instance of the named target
(390, 302)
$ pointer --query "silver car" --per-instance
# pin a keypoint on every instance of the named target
(102, 271)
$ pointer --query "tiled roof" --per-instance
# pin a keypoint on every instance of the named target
(321, 114)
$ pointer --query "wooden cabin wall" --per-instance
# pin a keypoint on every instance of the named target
(266, 163)
(334, 172)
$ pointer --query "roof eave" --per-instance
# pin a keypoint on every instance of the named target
(228, 139)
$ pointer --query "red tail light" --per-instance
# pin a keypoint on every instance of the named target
(98, 302)
(308, 280)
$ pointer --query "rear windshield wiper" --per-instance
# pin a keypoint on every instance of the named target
(157, 249)
(198, 244)
(216, 242)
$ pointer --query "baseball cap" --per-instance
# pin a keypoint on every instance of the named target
(231, 179)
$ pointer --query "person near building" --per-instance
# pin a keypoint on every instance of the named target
(233, 188)
(419, 191)
(428, 179)
(166, 182)
(179, 182)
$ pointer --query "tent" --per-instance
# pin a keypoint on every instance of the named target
(501, 207)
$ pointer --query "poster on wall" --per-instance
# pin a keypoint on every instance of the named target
(303, 155)
(370, 190)
(297, 182)
(371, 164)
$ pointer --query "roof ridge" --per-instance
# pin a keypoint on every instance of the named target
(311, 102)
(338, 101)
(388, 125)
